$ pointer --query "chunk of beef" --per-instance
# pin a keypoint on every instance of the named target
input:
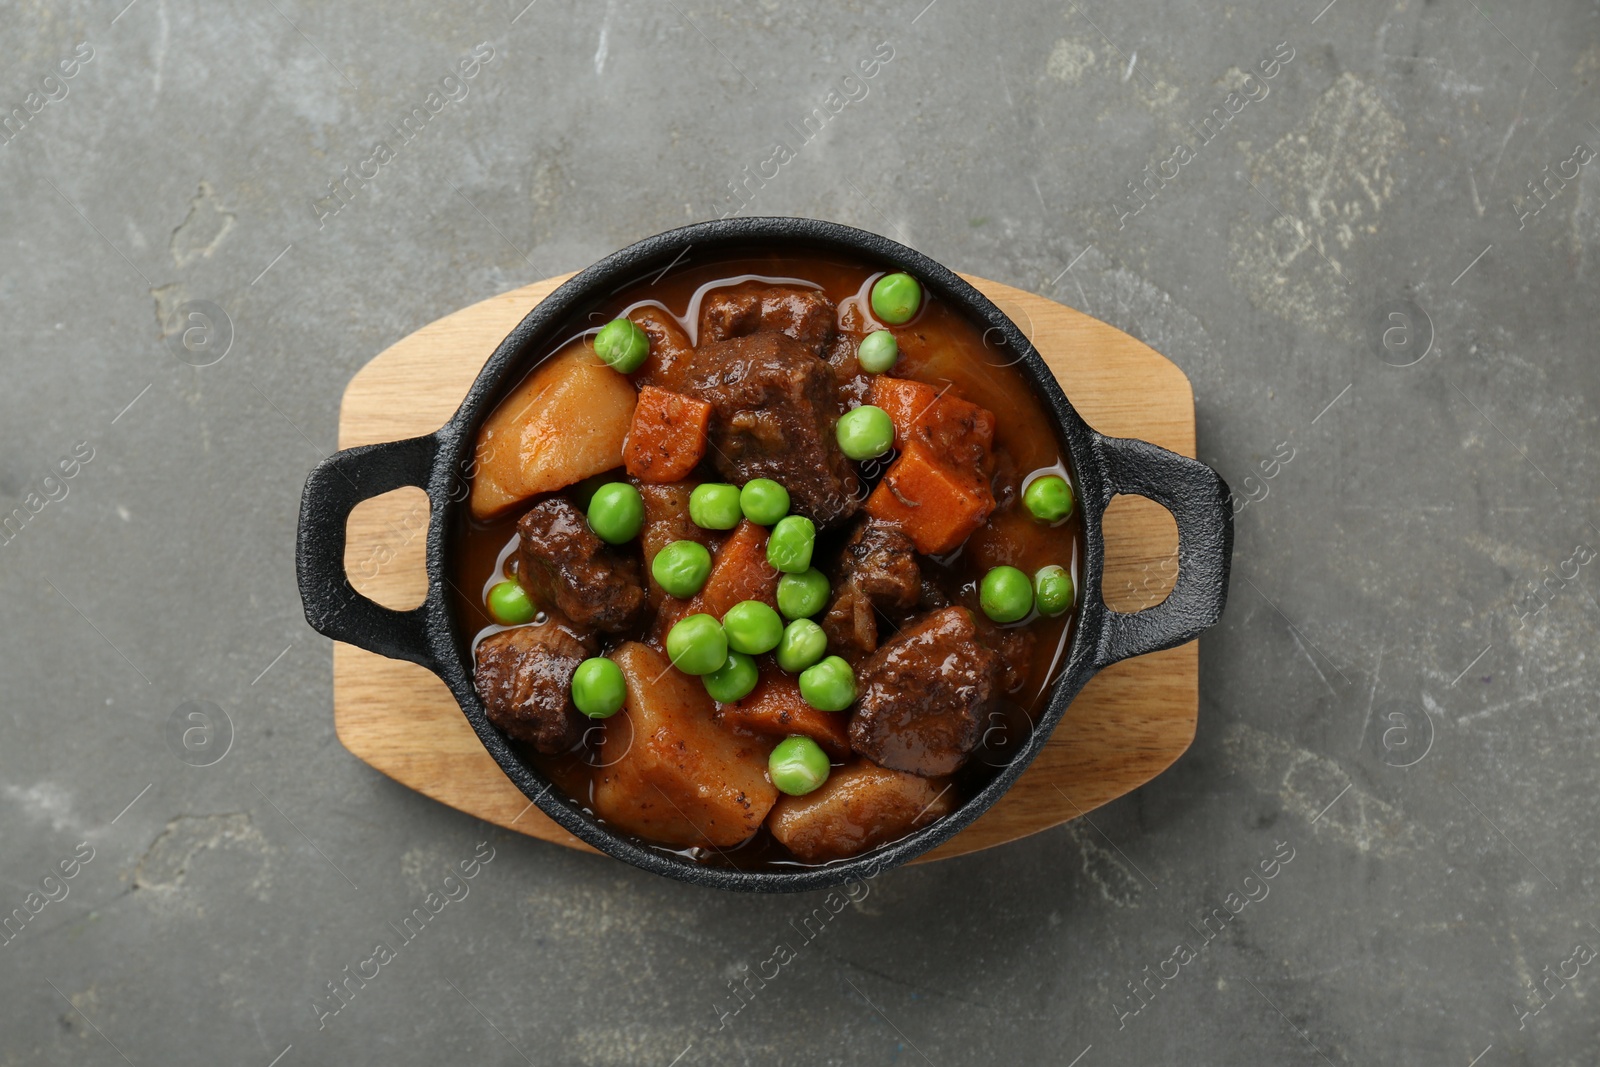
(524, 677)
(565, 564)
(852, 621)
(807, 315)
(931, 598)
(854, 384)
(1005, 482)
(924, 695)
(857, 808)
(774, 411)
(877, 572)
(881, 561)
(1014, 646)
(851, 624)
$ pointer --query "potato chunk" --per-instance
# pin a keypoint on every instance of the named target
(670, 773)
(859, 807)
(568, 421)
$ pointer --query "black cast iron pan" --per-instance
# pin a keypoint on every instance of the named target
(1103, 466)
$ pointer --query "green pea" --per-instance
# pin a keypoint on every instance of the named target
(829, 685)
(802, 595)
(681, 568)
(798, 766)
(714, 506)
(802, 644)
(764, 501)
(896, 298)
(622, 345)
(752, 627)
(1052, 590)
(616, 513)
(1006, 594)
(877, 352)
(790, 543)
(697, 645)
(598, 688)
(510, 605)
(865, 432)
(1048, 499)
(733, 680)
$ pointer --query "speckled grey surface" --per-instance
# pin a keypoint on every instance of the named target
(1386, 701)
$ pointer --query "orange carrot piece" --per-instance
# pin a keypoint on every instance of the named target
(936, 506)
(668, 436)
(739, 571)
(904, 400)
(938, 490)
(774, 708)
(666, 519)
(959, 432)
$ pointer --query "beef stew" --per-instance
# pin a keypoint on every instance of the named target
(750, 363)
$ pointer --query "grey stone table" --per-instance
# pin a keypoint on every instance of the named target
(1363, 229)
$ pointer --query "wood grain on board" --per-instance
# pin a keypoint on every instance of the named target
(1129, 723)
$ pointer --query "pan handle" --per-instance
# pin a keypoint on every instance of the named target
(332, 605)
(1201, 503)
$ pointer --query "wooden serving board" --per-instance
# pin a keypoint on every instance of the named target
(1129, 723)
